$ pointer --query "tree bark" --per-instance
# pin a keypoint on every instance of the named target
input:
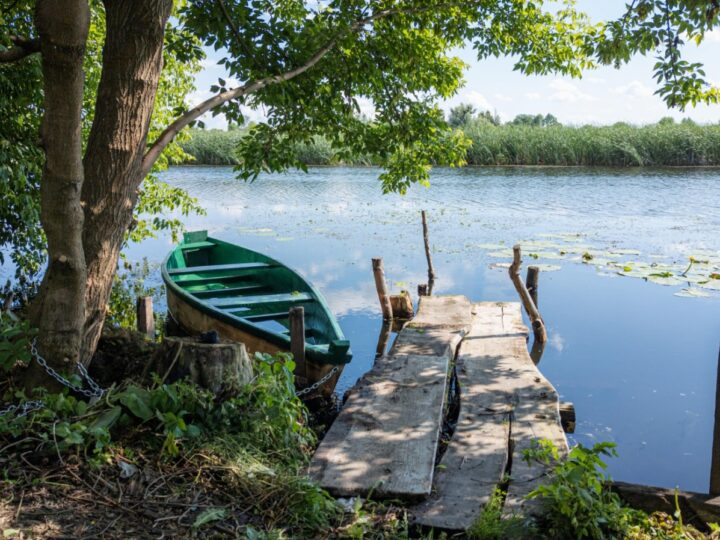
(59, 310)
(132, 63)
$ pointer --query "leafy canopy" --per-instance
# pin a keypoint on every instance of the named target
(393, 55)
(21, 157)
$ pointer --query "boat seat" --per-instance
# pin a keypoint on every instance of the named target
(197, 245)
(239, 301)
(216, 268)
(209, 293)
(260, 317)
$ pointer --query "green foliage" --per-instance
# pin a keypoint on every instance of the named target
(461, 115)
(577, 501)
(661, 28)
(15, 338)
(491, 525)
(521, 143)
(537, 120)
(396, 58)
(21, 157)
(619, 145)
(128, 285)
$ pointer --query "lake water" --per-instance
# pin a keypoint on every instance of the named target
(638, 362)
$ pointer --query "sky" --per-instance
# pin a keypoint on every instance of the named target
(603, 96)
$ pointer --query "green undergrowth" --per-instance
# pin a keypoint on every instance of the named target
(250, 445)
(238, 460)
(577, 503)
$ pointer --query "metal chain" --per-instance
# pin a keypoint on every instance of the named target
(24, 409)
(317, 384)
(94, 392)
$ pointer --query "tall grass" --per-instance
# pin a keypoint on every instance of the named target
(620, 145)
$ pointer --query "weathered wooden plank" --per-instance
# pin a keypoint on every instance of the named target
(503, 397)
(477, 456)
(386, 436)
(451, 311)
(472, 467)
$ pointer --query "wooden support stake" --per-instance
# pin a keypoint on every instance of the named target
(531, 282)
(297, 339)
(426, 239)
(145, 319)
(527, 301)
(715, 458)
(382, 291)
(567, 416)
(402, 305)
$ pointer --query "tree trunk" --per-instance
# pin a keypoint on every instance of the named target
(132, 63)
(59, 310)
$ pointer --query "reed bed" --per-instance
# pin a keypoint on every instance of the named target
(665, 144)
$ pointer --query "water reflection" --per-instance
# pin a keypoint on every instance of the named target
(638, 362)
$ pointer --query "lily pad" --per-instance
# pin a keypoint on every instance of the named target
(548, 267)
(693, 293)
(665, 280)
(501, 254)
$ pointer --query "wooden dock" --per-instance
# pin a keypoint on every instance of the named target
(385, 441)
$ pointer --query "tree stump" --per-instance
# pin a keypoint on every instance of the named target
(219, 367)
(402, 306)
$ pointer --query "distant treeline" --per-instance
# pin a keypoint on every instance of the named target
(528, 140)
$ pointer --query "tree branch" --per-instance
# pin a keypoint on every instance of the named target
(23, 47)
(193, 114)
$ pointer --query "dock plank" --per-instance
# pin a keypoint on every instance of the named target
(385, 439)
(503, 397)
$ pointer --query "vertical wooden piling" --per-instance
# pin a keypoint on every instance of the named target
(145, 319)
(428, 256)
(422, 289)
(297, 339)
(531, 282)
(382, 291)
(715, 458)
(527, 301)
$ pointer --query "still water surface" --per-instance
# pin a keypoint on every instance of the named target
(638, 362)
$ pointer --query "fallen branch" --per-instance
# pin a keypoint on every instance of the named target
(537, 323)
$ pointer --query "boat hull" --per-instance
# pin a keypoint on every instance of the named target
(194, 321)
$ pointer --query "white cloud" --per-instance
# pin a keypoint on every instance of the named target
(568, 92)
(475, 98)
(634, 90)
(534, 96)
(502, 97)
(713, 36)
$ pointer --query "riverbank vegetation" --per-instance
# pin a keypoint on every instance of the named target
(152, 458)
(527, 140)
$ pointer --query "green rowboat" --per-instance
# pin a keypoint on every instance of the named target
(245, 296)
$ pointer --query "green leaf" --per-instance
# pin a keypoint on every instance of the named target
(208, 516)
(138, 401)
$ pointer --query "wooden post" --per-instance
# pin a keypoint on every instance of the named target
(527, 301)
(422, 289)
(426, 240)
(567, 416)
(537, 350)
(297, 339)
(715, 458)
(382, 291)
(402, 305)
(145, 319)
(531, 282)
